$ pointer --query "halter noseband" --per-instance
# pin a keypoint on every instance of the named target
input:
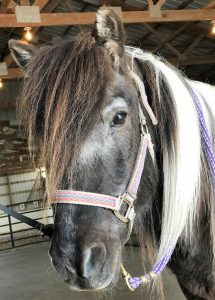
(126, 200)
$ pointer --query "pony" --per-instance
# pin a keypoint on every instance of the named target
(81, 103)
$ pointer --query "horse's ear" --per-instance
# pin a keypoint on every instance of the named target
(109, 32)
(21, 52)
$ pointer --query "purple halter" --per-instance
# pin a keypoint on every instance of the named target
(115, 203)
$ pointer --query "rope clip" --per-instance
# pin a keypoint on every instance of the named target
(126, 276)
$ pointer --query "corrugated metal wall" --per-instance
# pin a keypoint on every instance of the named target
(20, 189)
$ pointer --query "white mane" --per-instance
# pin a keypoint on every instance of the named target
(181, 167)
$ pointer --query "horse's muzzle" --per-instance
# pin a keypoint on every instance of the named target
(83, 270)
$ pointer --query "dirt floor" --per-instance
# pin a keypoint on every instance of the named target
(26, 274)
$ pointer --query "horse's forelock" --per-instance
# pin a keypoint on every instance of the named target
(63, 92)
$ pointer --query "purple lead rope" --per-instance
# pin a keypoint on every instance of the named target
(208, 145)
(135, 282)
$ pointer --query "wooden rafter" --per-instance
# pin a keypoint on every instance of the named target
(192, 29)
(7, 5)
(130, 17)
(171, 37)
(182, 28)
(69, 5)
(25, 2)
(162, 38)
(13, 73)
(194, 44)
(125, 6)
(184, 4)
(51, 5)
(174, 35)
(192, 60)
(7, 104)
(211, 4)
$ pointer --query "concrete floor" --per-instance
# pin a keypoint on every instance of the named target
(26, 274)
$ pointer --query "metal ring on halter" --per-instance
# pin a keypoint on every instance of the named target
(130, 213)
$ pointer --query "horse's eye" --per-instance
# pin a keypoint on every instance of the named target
(119, 118)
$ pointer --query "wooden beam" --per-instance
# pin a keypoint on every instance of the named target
(130, 17)
(179, 7)
(51, 5)
(211, 4)
(171, 37)
(194, 30)
(5, 123)
(192, 60)
(16, 168)
(11, 137)
(194, 44)
(183, 4)
(18, 171)
(7, 104)
(162, 39)
(25, 2)
(184, 27)
(7, 5)
(13, 73)
(69, 5)
(18, 153)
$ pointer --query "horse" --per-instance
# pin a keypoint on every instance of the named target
(81, 102)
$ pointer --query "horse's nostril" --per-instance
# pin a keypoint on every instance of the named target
(93, 260)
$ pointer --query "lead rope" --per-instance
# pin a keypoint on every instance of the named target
(208, 145)
(134, 282)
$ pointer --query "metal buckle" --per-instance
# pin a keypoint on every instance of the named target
(130, 213)
(143, 127)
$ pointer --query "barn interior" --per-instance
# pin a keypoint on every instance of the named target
(180, 31)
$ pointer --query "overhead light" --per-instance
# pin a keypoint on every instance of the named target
(1, 83)
(28, 34)
(213, 27)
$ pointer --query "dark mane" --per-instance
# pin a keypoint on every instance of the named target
(63, 91)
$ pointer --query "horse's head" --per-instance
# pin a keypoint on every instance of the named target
(81, 104)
